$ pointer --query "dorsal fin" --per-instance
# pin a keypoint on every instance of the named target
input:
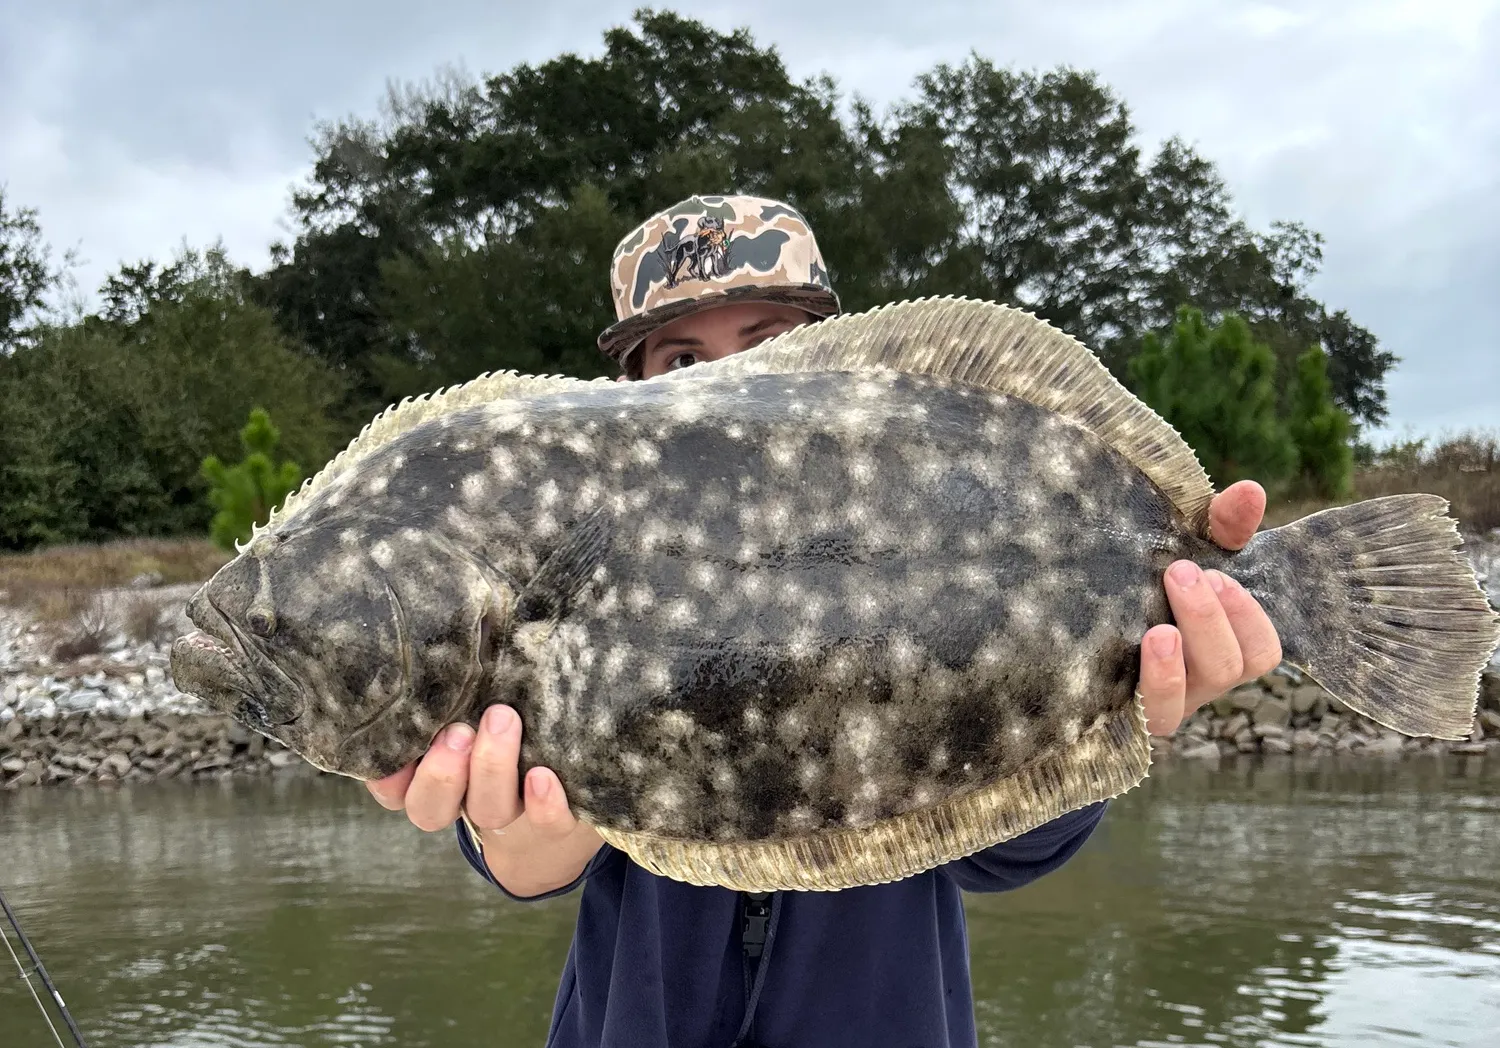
(412, 412)
(998, 349)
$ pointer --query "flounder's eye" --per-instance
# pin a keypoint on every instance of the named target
(261, 623)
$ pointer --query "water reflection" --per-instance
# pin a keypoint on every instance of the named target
(1253, 905)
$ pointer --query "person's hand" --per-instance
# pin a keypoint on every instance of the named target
(1222, 638)
(533, 844)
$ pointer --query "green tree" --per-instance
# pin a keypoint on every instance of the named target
(104, 424)
(455, 231)
(1321, 431)
(1216, 386)
(26, 272)
(245, 494)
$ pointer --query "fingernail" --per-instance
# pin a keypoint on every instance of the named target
(458, 737)
(497, 719)
(1164, 644)
(1185, 573)
(541, 786)
(1216, 581)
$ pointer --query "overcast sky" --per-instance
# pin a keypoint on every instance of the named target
(134, 126)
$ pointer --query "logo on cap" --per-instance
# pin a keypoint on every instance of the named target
(709, 251)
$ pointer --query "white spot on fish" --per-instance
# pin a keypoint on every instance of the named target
(644, 453)
(376, 486)
(674, 724)
(657, 677)
(578, 443)
(639, 598)
(862, 733)
(614, 662)
(681, 612)
(473, 487)
(503, 464)
(381, 553)
(589, 493)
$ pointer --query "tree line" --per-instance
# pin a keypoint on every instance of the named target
(469, 226)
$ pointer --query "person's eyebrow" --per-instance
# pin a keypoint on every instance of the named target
(760, 325)
(680, 340)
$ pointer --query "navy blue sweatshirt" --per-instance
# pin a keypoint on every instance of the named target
(656, 963)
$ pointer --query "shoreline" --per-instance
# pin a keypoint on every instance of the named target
(114, 716)
(1276, 715)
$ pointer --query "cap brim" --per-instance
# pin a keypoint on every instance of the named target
(620, 340)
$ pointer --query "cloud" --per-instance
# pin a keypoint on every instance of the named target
(133, 127)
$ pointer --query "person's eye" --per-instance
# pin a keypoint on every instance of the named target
(682, 360)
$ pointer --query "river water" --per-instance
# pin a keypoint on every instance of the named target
(1253, 904)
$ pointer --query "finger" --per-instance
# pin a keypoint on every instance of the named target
(547, 804)
(1235, 513)
(437, 789)
(493, 799)
(1163, 685)
(391, 790)
(1211, 651)
(1260, 647)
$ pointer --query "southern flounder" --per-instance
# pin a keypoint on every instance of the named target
(829, 612)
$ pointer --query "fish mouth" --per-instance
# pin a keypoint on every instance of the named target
(205, 666)
(214, 663)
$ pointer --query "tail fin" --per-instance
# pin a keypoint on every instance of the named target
(1376, 604)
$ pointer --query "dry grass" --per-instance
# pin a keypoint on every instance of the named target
(1464, 469)
(56, 583)
(85, 632)
(141, 617)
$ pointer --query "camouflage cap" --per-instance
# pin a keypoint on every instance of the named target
(709, 251)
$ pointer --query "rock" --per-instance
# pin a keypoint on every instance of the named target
(1236, 724)
(27, 778)
(1247, 697)
(282, 758)
(1192, 749)
(1245, 741)
(155, 675)
(1386, 745)
(257, 745)
(1223, 706)
(1278, 685)
(1469, 749)
(238, 734)
(1273, 711)
(1269, 731)
(146, 580)
(1335, 705)
(1305, 698)
(1491, 721)
(1274, 744)
(1348, 743)
(117, 764)
(12, 730)
(1304, 740)
(12, 765)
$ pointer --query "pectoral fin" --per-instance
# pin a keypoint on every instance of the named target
(565, 574)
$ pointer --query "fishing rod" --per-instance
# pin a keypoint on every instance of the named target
(41, 970)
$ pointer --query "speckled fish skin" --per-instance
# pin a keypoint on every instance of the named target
(802, 617)
(808, 626)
